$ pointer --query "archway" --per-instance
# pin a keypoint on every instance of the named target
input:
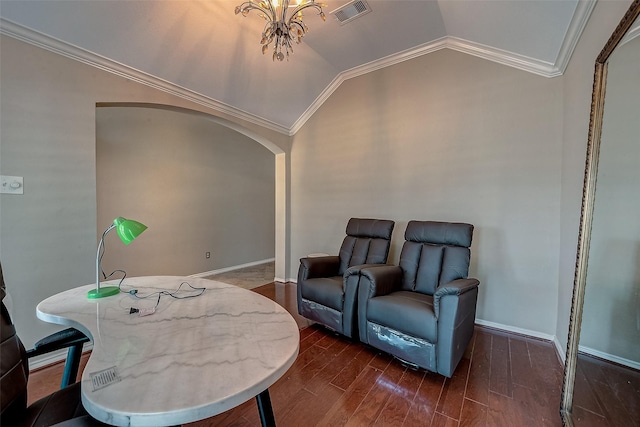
(280, 173)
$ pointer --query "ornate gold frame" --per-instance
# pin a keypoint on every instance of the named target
(588, 198)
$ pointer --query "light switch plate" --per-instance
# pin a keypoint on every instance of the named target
(11, 184)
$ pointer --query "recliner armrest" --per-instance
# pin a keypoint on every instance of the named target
(59, 340)
(355, 269)
(375, 281)
(456, 287)
(382, 279)
(325, 266)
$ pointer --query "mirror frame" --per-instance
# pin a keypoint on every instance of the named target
(586, 214)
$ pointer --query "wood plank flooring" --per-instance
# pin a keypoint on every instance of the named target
(503, 380)
(605, 394)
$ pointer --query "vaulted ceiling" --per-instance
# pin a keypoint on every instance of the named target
(202, 51)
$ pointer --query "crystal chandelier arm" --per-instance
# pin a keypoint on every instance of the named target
(248, 6)
(284, 8)
(268, 4)
(303, 29)
(313, 4)
(267, 34)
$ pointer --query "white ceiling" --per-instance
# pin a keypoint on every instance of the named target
(204, 52)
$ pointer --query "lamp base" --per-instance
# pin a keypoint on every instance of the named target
(105, 291)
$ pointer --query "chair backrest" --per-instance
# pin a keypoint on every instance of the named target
(14, 367)
(367, 242)
(434, 253)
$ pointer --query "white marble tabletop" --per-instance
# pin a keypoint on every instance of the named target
(191, 359)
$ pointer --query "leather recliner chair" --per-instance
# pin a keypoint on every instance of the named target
(327, 286)
(60, 409)
(422, 311)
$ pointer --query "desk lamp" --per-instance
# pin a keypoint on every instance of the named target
(128, 230)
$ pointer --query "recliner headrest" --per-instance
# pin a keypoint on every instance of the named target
(439, 233)
(372, 228)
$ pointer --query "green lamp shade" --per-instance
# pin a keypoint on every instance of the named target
(128, 229)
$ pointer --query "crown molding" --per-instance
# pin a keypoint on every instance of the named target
(578, 22)
(84, 56)
(365, 69)
(542, 68)
(500, 56)
(510, 59)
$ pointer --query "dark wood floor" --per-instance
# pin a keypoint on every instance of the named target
(503, 380)
(605, 394)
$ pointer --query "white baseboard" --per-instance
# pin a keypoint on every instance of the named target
(560, 350)
(43, 360)
(535, 334)
(610, 357)
(515, 330)
(232, 268)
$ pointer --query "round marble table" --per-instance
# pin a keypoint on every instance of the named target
(191, 359)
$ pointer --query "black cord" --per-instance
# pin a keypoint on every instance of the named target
(124, 274)
(134, 292)
(174, 294)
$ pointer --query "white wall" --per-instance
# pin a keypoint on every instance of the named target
(48, 236)
(199, 187)
(448, 137)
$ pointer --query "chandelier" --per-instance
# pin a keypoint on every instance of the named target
(282, 28)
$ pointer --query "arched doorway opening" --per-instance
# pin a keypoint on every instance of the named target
(229, 130)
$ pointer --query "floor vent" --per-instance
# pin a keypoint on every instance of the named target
(351, 11)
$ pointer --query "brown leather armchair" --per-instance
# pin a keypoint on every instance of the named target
(327, 286)
(62, 408)
(422, 311)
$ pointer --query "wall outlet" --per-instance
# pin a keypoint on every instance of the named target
(207, 255)
(11, 184)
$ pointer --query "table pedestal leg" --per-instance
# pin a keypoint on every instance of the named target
(264, 408)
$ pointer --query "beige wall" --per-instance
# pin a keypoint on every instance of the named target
(199, 187)
(48, 236)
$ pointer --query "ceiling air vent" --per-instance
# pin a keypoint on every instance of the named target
(351, 11)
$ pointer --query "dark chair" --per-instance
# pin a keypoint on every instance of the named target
(69, 338)
(62, 408)
(422, 311)
(327, 286)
